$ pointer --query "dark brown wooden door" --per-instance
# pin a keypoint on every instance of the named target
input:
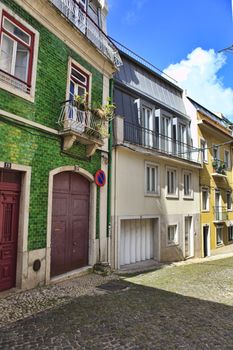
(70, 223)
(9, 217)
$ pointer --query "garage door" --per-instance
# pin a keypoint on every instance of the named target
(137, 240)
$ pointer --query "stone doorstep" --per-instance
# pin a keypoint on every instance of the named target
(71, 275)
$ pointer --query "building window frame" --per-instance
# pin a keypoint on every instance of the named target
(206, 190)
(187, 184)
(9, 81)
(204, 150)
(227, 159)
(152, 179)
(86, 86)
(219, 242)
(172, 183)
(172, 229)
(229, 200)
(230, 233)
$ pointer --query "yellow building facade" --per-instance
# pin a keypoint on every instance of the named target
(216, 182)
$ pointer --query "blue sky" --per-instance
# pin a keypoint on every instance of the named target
(183, 38)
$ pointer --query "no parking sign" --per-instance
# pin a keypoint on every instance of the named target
(100, 178)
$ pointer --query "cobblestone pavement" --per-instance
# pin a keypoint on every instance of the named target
(180, 307)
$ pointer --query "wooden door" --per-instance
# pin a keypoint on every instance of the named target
(70, 223)
(9, 217)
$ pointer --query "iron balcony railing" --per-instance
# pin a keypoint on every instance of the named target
(85, 24)
(220, 213)
(219, 166)
(153, 140)
(80, 122)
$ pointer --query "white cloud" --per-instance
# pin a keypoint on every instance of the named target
(198, 74)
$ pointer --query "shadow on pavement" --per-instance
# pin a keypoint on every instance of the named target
(137, 317)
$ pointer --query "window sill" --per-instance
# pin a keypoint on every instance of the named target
(172, 196)
(17, 92)
(229, 210)
(205, 211)
(172, 244)
(219, 245)
(190, 198)
(146, 194)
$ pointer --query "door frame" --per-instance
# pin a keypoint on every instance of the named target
(191, 237)
(22, 245)
(117, 243)
(92, 216)
(208, 239)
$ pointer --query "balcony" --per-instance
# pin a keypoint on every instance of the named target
(220, 214)
(86, 25)
(152, 140)
(218, 168)
(81, 126)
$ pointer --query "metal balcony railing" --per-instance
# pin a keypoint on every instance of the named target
(220, 213)
(153, 140)
(85, 24)
(219, 166)
(80, 122)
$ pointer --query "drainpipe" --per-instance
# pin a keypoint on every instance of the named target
(110, 141)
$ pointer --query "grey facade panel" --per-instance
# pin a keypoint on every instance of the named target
(140, 79)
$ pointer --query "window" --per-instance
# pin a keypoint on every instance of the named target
(215, 152)
(227, 159)
(204, 156)
(188, 192)
(230, 233)
(147, 120)
(166, 134)
(152, 179)
(172, 235)
(205, 199)
(79, 82)
(172, 188)
(16, 53)
(229, 200)
(219, 235)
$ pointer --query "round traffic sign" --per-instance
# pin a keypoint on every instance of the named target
(100, 178)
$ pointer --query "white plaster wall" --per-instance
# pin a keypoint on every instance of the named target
(129, 200)
(130, 187)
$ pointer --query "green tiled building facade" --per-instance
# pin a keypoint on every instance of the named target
(32, 142)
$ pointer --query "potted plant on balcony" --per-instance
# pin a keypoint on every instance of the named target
(81, 102)
(105, 112)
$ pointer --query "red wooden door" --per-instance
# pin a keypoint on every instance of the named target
(70, 223)
(9, 217)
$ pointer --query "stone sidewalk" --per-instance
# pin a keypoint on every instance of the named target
(184, 306)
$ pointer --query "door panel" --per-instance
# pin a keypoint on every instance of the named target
(9, 216)
(70, 223)
(137, 241)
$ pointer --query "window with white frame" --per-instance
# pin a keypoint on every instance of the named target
(204, 155)
(148, 125)
(172, 234)
(227, 159)
(215, 150)
(205, 198)
(79, 82)
(188, 191)
(152, 179)
(219, 235)
(229, 200)
(230, 233)
(172, 188)
(16, 53)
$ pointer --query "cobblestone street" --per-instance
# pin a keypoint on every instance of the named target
(188, 306)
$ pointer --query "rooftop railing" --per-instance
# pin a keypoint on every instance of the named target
(150, 139)
(85, 24)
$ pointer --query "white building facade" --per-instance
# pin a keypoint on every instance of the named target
(155, 170)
